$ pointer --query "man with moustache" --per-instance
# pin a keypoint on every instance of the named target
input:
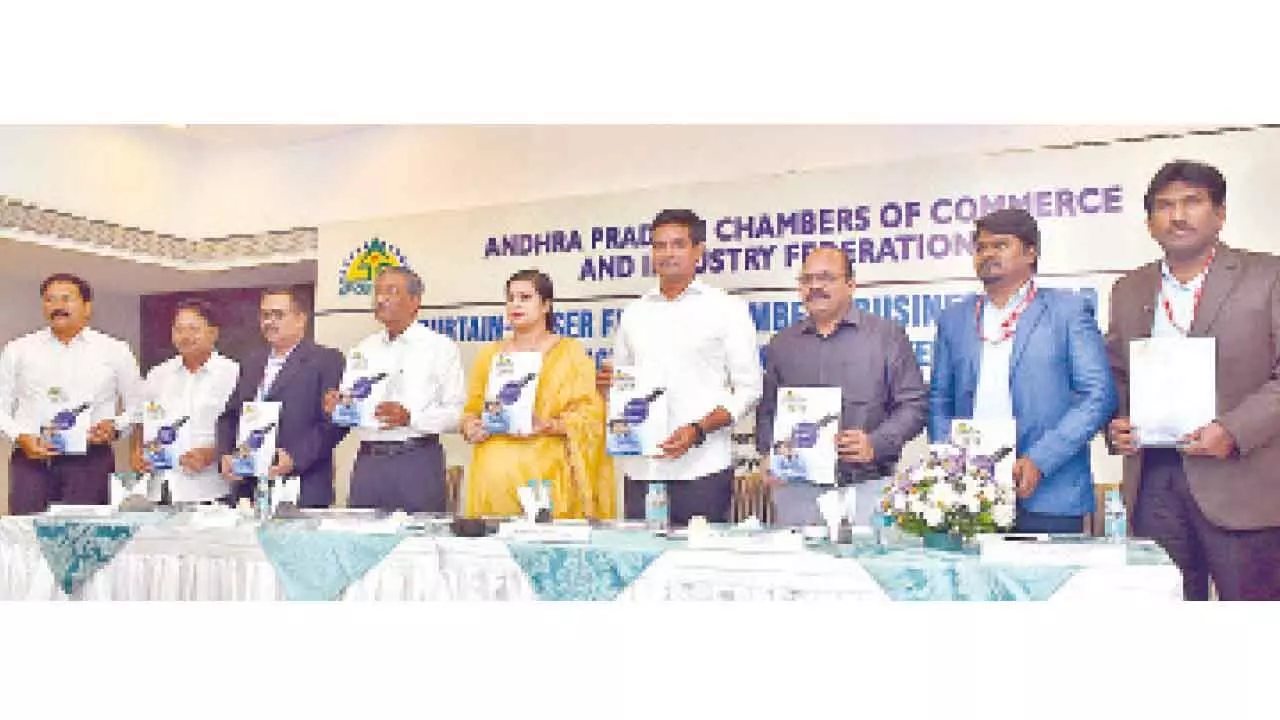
(400, 466)
(1032, 355)
(700, 342)
(884, 402)
(195, 384)
(1212, 502)
(297, 373)
(62, 367)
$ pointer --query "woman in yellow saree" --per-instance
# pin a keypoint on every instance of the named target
(567, 446)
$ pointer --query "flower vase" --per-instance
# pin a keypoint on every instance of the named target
(951, 541)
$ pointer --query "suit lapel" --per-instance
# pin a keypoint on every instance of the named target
(289, 370)
(1147, 287)
(972, 350)
(251, 376)
(1025, 327)
(1221, 281)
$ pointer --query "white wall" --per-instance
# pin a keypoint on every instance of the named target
(154, 178)
(116, 314)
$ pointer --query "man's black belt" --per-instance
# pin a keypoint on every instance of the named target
(379, 448)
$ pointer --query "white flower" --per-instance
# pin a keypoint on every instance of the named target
(943, 494)
(1003, 514)
(915, 503)
(933, 516)
(899, 502)
(971, 503)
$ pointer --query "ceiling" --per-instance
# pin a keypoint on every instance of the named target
(27, 260)
(252, 136)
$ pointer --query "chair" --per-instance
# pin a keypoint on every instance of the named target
(453, 489)
(751, 496)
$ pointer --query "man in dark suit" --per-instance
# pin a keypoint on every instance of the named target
(1213, 503)
(297, 373)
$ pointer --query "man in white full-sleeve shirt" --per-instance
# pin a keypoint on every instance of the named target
(400, 465)
(702, 343)
(64, 367)
(193, 388)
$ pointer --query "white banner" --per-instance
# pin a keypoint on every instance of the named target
(906, 226)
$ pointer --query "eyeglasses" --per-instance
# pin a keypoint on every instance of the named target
(822, 278)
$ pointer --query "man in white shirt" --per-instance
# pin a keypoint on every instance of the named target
(192, 388)
(400, 464)
(702, 343)
(64, 367)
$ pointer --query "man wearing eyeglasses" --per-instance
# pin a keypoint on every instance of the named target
(883, 397)
(297, 373)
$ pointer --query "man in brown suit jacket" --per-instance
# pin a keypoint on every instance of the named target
(1214, 502)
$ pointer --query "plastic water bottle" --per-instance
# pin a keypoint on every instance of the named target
(656, 516)
(880, 523)
(262, 498)
(1116, 518)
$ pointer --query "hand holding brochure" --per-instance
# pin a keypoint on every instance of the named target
(638, 419)
(511, 392)
(804, 435)
(256, 439)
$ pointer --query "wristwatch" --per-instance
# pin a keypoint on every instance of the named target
(700, 435)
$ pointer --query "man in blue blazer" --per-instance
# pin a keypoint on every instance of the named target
(296, 372)
(1032, 354)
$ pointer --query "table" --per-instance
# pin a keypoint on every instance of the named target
(162, 558)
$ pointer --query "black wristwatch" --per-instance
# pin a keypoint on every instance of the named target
(701, 435)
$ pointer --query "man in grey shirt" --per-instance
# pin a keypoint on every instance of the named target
(884, 401)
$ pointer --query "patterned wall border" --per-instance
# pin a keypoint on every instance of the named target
(147, 246)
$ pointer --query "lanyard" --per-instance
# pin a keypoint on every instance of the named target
(1009, 325)
(1195, 299)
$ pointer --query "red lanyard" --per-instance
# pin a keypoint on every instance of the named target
(1195, 299)
(1010, 323)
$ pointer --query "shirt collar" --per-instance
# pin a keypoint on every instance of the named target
(1016, 298)
(78, 338)
(203, 369)
(271, 357)
(386, 338)
(697, 287)
(852, 317)
(1168, 280)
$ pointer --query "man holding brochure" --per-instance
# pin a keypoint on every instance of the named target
(1029, 358)
(294, 372)
(1194, 342)
(409, 385)
(699, 343)
(186, 394)
(61, 389)
(880, 397)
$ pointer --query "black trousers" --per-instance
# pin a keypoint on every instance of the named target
(70, 479)
(710, 496)
(1243, 564)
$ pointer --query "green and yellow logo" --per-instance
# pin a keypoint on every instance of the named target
(363, 264)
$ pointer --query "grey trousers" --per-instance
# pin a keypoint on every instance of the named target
(411, 479)
(797, 504)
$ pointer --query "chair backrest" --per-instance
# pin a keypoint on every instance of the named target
(751, 497)
(453, 489)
